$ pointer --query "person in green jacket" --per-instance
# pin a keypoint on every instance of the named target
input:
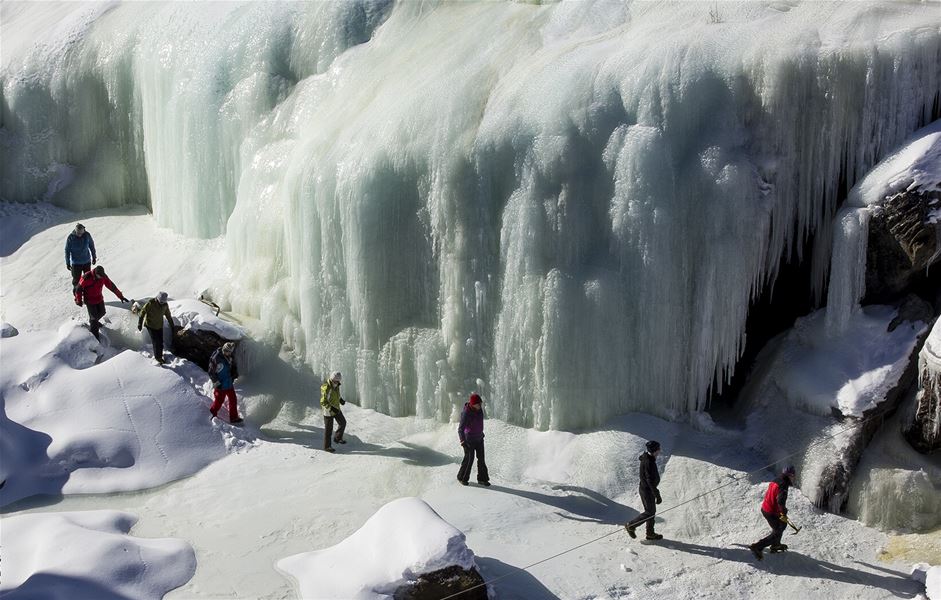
(151, 316)
(330, 402)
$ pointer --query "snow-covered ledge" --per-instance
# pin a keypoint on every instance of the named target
(924, 433)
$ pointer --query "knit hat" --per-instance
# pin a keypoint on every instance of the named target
(100, 271)
(475, 399)
(336, 377)
(228, 347)
(162, 297)
(653, 446)
(789, 470)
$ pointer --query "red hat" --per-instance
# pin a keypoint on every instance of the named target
(475, 399)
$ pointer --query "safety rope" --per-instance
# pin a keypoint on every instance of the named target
(733, 479)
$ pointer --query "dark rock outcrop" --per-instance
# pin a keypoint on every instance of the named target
(443, 583)
(197, 345)
(924, 430)
(903, 243)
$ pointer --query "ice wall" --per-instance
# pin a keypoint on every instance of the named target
(568, 207)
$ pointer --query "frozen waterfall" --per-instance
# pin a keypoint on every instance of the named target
(567, 206)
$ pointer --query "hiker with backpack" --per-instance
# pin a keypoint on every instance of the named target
(89, 292)
(223, 372)
(330, 402)
(80, 253)
(649, 492)
(151, 316)
(774, 510)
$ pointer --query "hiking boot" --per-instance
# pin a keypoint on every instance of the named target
(340, 441)
(329, 450)
(778, 547)
(462, 482)
(653, 537)
(631, 532)
(237, 421)
(756, 551)
(484, 483)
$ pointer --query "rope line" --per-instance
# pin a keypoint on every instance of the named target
(733, 479)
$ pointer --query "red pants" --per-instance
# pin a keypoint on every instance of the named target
(218, 395)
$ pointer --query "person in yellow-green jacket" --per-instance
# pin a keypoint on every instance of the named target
(151, 316)
(330, 402)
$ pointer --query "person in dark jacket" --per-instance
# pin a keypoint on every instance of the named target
(470, 431)
(774, 509)
(80, 253)
(649, 492)
(152, 315)
(89, 292)
(223, 371)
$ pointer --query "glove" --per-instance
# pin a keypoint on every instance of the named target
(659, 499)
(78, 303)
(216, 385)
(124, 300)
(342, 401)
(782, 517)
(68, 267)
(139, 328)
(94, 260)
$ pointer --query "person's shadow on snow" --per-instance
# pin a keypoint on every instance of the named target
(411, 454)
(305, 435)
(796, 564)
(579, 504)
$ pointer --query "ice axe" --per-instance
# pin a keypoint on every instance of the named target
(791, 525)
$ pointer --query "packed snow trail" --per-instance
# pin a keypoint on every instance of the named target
(734, 479)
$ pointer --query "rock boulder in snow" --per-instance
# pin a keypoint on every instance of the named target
(924, 432)
(904, 240)
(404, 551)
(7, 330)
(201, 331)
(443, 583)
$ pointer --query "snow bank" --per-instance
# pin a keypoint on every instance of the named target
(72, 424)
(931, 577)
(916, 165)
(196, 315)
(851, 373)
(404, 539)
(566, 212)
(69, 555)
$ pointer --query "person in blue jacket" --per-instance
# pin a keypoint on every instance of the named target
(80, 253)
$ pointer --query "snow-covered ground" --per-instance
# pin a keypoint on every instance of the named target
(267, 492)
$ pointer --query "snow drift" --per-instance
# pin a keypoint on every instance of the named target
(88, 555)
(69, 425)
(404, 539)
(568, 207)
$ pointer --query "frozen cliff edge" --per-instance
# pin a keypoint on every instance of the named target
(572, 217)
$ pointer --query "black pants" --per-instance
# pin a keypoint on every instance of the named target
(77, 271)
(777, 530)
(650, 509)
(328, 428)
(474, 446)
(156, 338)
(95, 312)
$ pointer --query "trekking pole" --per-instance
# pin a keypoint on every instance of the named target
(790, 524)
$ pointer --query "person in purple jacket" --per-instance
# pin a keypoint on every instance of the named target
(471, 433)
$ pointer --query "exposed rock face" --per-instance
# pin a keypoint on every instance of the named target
(443, 583)
(7, 330)
(904, 240)
(924, 432)
(197, 345)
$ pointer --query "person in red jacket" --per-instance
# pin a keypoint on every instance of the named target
(774, 508)
(89, 291)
